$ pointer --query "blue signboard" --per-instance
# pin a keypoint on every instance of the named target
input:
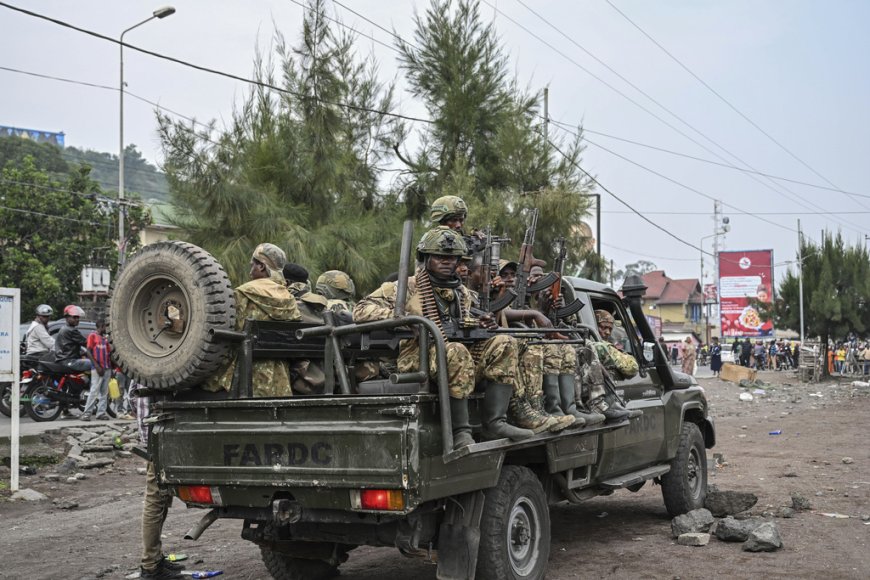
(33, 134)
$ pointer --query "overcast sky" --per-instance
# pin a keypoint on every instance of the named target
(797, 68)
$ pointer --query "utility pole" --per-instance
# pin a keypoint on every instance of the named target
(801, 280)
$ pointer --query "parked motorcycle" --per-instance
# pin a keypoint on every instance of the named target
(56, 388)
(28, 371)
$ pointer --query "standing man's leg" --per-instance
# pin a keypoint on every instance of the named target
(93, 395)
(154, 511)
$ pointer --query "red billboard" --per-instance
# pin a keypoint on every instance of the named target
(745, 278)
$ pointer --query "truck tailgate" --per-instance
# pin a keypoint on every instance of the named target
(290, 443)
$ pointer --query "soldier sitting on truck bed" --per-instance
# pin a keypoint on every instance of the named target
(436, 293)
(602, 357)
(560, 364)
(264, 297)
(338, 289)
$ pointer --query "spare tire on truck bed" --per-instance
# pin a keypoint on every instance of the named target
(164, 303)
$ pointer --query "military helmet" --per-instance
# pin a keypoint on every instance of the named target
(335, 284)
(446, 207)
(442, 241)
(603, 316)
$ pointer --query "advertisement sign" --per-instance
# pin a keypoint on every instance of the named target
(33, 135)
(711, 294)
(745, 278)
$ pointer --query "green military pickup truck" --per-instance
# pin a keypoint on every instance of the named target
(371, 462)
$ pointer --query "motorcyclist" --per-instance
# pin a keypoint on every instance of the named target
(71, 345)
(38, 340)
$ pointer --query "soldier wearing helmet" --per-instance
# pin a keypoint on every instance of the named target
(38, 341)
(264, 297)
(436, 292)
(449, 211)
(338, 288)
(603, 357)
(70, 345)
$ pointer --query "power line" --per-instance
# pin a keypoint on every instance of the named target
(209, 70)
(354, 30)
(73, 192)
(723, 99)
(687, 187)
(635, 253)
(373, 23)
(710, 161)
(48, 215)
(645, 109)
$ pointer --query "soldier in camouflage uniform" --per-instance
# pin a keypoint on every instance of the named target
(338, 289)
(527, 409)
(265, 297)
(436, 293)
(559, 364)
(449, 211)
(602, 357)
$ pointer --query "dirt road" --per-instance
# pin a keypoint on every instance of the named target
(822, 453)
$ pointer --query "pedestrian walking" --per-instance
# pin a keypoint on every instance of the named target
(715, 356)
(689, 356)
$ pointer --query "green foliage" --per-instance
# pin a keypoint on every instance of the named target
(836, 281)
(140, 176)
(51, 229)
(486, 144)
(294, 168)
(46, 156)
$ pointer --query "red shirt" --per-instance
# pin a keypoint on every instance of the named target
(99, 347)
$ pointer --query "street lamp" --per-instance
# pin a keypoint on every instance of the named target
(159, 13)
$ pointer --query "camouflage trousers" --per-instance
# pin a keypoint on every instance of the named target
(559, 359)
(270, 378)
(591, 375)
(530, 368)
(494, 360)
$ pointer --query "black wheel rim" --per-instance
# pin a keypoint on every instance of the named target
(41, 404)
(524, 536)
(159, 316)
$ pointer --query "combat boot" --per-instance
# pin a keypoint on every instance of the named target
(522, 414)
(496, 400)
(562, 422)
(566, 395)
(461, 424)
(632, 413)
(552, 397)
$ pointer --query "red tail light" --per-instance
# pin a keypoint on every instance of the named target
(199, 494)
(27, 374)
(381, 499)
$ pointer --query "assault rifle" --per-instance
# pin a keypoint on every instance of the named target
(491, 257)
(557, 313)
(468, 330)
(526, 261)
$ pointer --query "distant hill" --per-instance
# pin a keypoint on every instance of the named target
(140, 176)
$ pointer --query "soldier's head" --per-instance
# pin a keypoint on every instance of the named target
(463, 269)
(535, 274)
(440, 250)
(604, 319)
(449, 211)
(507, 270)
(268, 262)
(295, 273)
(335, 285)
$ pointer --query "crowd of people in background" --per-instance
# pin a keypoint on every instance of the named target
(849, 358)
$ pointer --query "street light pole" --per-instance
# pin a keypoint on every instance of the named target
(122, 212)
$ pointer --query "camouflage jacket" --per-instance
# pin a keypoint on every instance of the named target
(621, 365)
(380, 304)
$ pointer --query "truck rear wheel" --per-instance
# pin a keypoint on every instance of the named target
(284, 567)
(684, 487)
(515, 528)
(164, 303)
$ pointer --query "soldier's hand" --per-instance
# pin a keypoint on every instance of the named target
(497, 283)
(488, 321)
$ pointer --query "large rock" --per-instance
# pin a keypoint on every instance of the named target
(28, 494)
(731, 530)
(692, 522)
(728, 503)
(693, 539)
(764, 538)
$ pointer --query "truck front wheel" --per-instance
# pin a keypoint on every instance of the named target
(684, 487)
(515, 528)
